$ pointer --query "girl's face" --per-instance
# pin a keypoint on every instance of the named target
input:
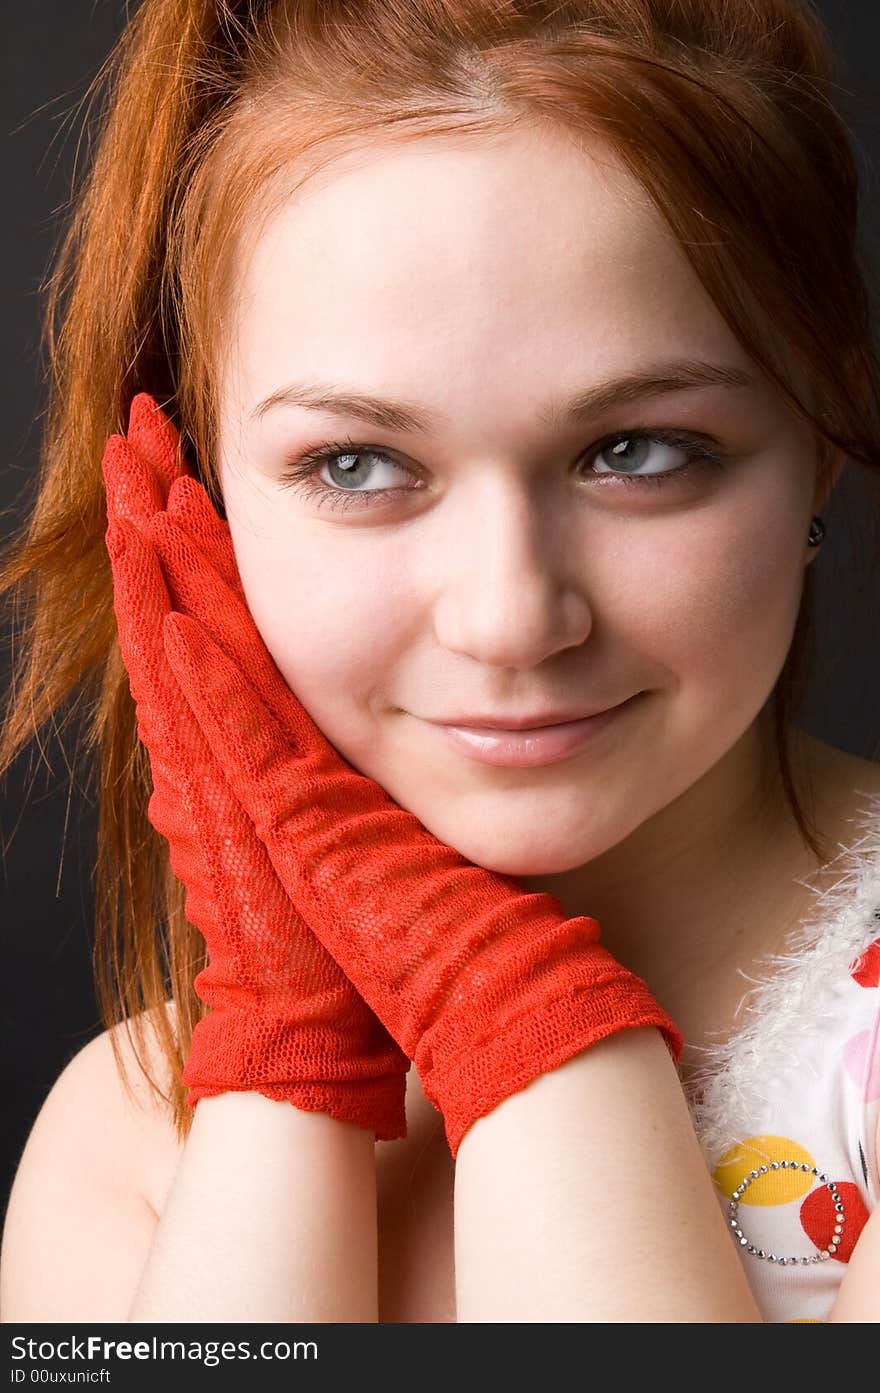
(477, 545)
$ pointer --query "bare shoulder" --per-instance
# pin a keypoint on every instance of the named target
(97, 1162)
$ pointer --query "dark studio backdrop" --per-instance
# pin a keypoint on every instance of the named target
(53, 50)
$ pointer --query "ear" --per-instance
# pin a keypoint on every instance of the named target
(829, 467)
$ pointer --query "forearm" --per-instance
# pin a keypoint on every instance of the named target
(585, 1197)
(271, 1217)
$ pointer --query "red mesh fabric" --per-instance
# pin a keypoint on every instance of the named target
(483, 986)
(283, 1018)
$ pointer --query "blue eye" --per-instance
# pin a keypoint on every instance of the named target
(350, 461)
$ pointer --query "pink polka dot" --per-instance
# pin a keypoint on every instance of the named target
(864, 1072)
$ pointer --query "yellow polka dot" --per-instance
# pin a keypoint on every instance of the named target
(805, 1320)
(777, 1186)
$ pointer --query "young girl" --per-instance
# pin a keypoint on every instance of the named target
(476, 377)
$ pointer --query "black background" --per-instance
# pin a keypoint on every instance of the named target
(54, 48)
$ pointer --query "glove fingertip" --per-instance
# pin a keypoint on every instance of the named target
(122, 538)
(177, 632)
(190, 508)
(146, 413)
(115, 541)
(114, 462)
(155, 436)
(188, 494)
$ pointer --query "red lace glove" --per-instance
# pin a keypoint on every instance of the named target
(285, 1021)
(483, 985)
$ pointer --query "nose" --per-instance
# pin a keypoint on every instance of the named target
(511, 590)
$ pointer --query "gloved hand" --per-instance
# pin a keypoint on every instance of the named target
(483, 985)
(283, 1020)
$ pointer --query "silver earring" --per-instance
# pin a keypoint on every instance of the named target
(817, 532)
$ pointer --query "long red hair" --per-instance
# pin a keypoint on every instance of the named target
(722, 109)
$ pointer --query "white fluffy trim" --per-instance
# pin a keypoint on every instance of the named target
(727, 1091)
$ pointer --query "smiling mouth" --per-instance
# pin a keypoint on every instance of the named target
(528, 747)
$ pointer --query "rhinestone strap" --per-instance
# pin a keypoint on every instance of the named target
(821, 1254)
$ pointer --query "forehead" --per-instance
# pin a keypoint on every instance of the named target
(498, 253)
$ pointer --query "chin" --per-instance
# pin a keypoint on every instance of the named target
(528, 865)
(513, 855)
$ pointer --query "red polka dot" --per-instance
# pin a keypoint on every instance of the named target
(866, 968)
(818, 1217)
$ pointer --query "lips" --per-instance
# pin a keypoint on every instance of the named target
(537, 721)
(528, 747)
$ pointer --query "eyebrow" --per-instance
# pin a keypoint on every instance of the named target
(677, 376)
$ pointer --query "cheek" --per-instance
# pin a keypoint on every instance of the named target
(715, 604)
(326, 622)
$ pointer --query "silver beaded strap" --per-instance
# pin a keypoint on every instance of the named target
(821, 1254)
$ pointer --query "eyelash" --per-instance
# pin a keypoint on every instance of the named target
(303, 472)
